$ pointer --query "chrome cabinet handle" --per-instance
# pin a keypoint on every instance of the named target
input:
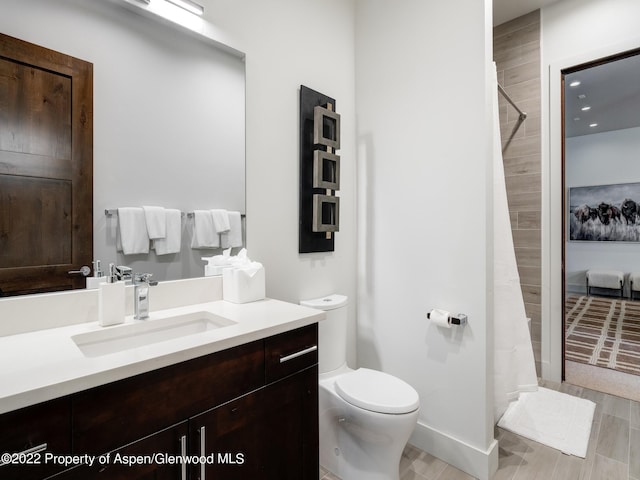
(298, 354)
(28, 451)
(203, 472)
(183, 452)
(84, 271)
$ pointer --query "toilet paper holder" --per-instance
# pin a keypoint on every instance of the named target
(459, 319)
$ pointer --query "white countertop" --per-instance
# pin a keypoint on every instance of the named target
(47, 364)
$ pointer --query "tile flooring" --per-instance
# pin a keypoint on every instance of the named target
(613, 454)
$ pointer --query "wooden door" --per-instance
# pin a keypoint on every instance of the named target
(46, 168)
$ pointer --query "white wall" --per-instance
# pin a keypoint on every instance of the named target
(289, 43)
(585, 157)
(424, 149)
(168, 116)
(573, 32)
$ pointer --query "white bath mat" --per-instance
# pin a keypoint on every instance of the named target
(552, 418)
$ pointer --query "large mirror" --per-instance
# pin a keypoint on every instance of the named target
(601, 105)
(168, 112)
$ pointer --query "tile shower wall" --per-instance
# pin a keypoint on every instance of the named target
(516, 49)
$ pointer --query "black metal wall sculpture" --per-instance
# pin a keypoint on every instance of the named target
(319, 172)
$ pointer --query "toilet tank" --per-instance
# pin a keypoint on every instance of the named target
(332, 332)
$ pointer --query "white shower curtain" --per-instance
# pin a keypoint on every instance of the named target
(514, 364)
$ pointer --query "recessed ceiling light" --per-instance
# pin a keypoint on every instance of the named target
(592, 125)
(582, 96)
(575, 83)
(585, 108)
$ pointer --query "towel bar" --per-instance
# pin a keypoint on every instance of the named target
(190, 215)
(113, 212)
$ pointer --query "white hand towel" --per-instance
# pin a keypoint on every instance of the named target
(132, 235)
(156, 222)
(220, 220)
(204, 233)
(233, 238)
(172, 242)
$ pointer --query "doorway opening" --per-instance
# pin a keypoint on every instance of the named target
(601, 223)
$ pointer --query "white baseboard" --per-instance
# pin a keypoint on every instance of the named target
(477, 463)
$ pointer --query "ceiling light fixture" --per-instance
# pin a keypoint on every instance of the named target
(574, 83)
(593, 125)
(189, 5)
(585, 108)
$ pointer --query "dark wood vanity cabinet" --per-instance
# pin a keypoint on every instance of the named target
(251, 411)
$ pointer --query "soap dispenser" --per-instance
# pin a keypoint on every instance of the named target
(98, 276)
(111, 300)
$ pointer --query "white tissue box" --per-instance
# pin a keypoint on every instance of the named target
(214, 270)
(243, 286)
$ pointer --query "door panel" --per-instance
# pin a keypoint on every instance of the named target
(26, 201)
(37, 119)
(46, 168)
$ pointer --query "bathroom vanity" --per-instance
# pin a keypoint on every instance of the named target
(244, 397)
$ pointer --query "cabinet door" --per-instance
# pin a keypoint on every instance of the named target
(155, 457)
(290, 427)
(230, 437)
(29, 434)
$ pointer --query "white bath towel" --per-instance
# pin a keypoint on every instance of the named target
(233, 238)
(171, 243)
(132, 237)
(156, 222)
(220, 220)
(204, 233)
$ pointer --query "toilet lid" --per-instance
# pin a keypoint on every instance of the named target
(377, 391)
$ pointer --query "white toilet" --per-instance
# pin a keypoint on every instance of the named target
(366, 416)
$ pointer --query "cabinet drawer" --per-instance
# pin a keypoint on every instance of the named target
(290, 352)
(35, 430)
(118, 413)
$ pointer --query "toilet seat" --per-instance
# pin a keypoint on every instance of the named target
(377, 391)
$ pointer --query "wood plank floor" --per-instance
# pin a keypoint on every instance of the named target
(613, 454)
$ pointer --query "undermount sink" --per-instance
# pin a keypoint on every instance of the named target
(126, 337)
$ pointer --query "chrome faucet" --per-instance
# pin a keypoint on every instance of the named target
(124, 273)
(142, 282)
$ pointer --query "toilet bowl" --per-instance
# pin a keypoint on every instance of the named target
(365, 416)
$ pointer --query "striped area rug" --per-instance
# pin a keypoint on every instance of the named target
(604, 332)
